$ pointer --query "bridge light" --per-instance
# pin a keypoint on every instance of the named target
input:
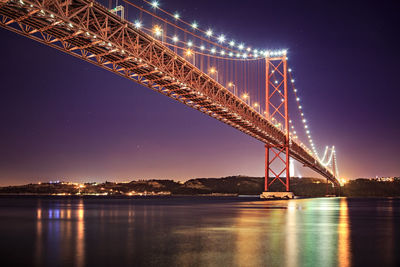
(195, 25)
(155, 4)
(298, 99)
(209, 32)
(230, 54)
(188, 52)
(221, 38)
(190, 43)
(244, 55)
(157, 30)
(222, 52)
(276, 81)
(202, 47)
(213, 70)
(292, 80)
(238, 55)
(290, 70)
(176, 15)
(232, 43)
(213, 50)
(241, 46)
(230, 84)
(175, 38)
(138, 24)
(245, 96)
(255, 105)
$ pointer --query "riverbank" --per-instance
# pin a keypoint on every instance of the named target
(226, 186)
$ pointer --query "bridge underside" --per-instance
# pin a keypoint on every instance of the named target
(88, 31)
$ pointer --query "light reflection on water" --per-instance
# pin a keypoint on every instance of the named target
(198, 232)
(302, 232)
(61, 229)
(344, 235)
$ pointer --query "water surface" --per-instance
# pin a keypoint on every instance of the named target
(202, 231)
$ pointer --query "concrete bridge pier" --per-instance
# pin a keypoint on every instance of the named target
(277, 195)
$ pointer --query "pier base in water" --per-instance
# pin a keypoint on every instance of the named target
(278, 195)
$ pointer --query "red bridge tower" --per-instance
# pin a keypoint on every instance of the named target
(276, 109)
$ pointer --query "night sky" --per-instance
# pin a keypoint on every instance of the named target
(63, 118)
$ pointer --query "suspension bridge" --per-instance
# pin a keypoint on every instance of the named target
(245, 87)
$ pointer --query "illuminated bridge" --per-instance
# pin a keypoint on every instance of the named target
(247, 88)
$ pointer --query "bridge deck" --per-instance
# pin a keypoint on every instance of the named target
(87, 30)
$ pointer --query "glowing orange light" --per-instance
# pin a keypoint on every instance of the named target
(189, 52)
(157, 30)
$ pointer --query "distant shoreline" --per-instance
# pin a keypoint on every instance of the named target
(125, 196)
(239, 197)
(232, 186)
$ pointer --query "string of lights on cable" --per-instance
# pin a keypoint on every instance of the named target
(302, 116)
(324, 161)
(213, 45)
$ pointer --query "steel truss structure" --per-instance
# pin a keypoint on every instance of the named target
(87, 30)
(276, 87)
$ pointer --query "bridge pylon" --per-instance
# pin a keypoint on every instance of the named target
(277, 157)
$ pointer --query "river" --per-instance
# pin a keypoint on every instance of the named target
(199, 231)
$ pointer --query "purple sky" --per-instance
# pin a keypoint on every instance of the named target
(62, 118)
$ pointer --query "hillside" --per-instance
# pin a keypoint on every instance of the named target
(233, 185)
